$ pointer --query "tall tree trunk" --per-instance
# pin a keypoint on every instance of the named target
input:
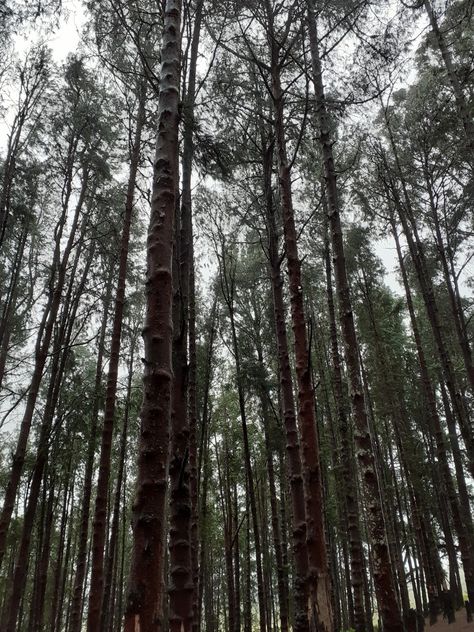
(144, 609)
(409, 224)
(357, 562)
(41, 354)
(81, 556)
(227, 279)
(60, 355)
(111, 561)
(435, 426)
(294, 468)
(319, 582)
(461, 102)
(183, 525)
(456, 308)
(384, 584)
(99, 525)
(277, 541)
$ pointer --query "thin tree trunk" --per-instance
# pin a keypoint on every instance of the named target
(41, 354)
(347, 459)
(437, 431)
(319, 580)
(99, 525)
(384, 584)
(459, 97)
(81, 557)
(295, 477)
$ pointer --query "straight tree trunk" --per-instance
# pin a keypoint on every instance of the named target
(228, 290)
(111, 561)
(144, 608)
(319, 582)
(357, 562)
(435, 426)
(183, 525)
(99, 525)
(293, 458)
(383, 577)
(81, 557)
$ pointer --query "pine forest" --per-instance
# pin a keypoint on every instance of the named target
(236, 315)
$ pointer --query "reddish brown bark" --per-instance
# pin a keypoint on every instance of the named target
(144, 609)
(319, 610)
(383, 578)
(99, 524)
(293, 458)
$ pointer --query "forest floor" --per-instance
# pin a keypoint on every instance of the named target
(459, 626)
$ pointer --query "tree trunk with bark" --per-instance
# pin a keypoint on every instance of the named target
(383, 576)
(144, 608)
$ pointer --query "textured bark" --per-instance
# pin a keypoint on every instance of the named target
(99, 524)
(186, 216)
(319, 582)
(293, 458)
(144, 608)
(383, 579)
(183, 523)
(357, 562)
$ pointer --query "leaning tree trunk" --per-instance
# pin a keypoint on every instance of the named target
(459, 96)
(41, 355)
(408, 220)
(383, 577)
(465, 543)
(144, 609)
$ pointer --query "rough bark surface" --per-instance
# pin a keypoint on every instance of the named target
(144, 608)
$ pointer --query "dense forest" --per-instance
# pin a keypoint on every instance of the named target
(236, 315)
